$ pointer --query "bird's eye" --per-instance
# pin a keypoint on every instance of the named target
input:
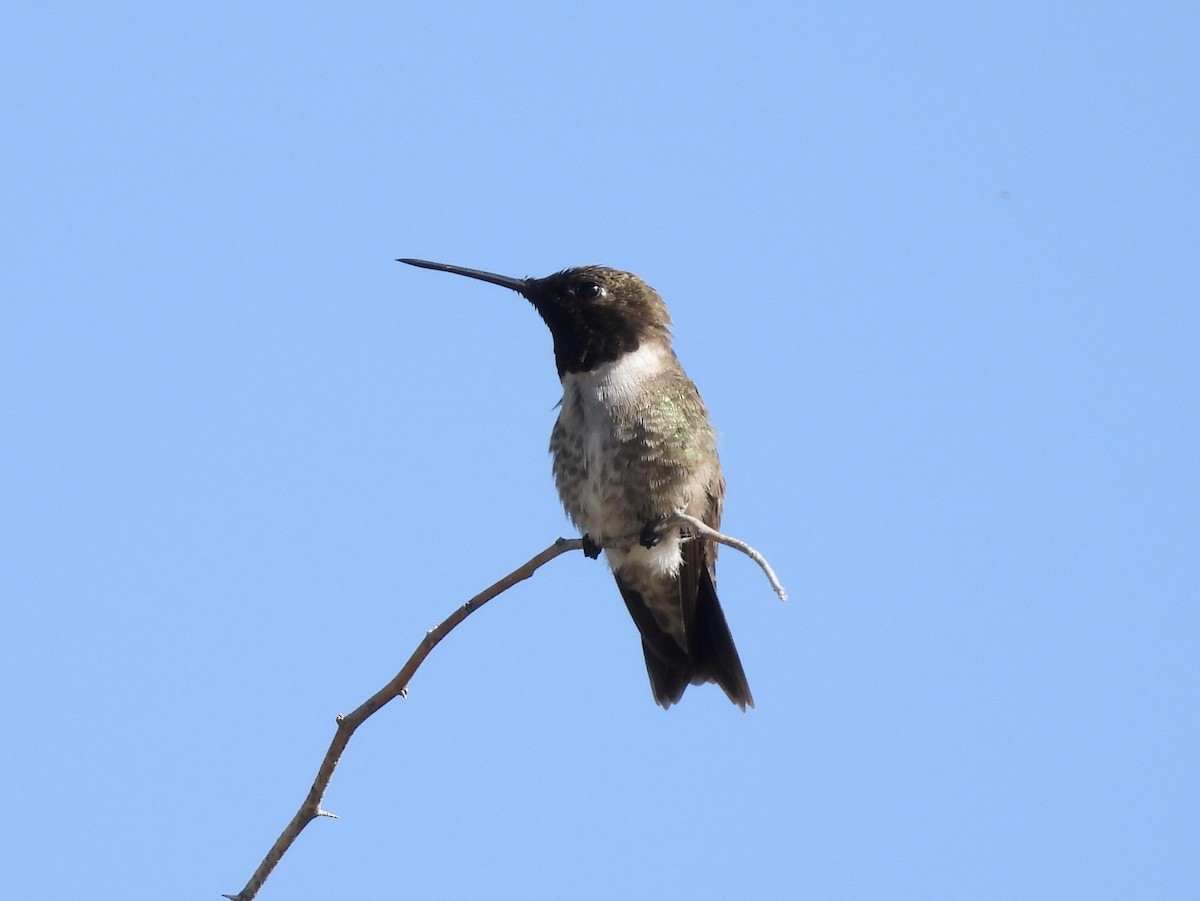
(590, 290)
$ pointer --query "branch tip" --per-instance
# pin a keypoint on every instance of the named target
(702, 530)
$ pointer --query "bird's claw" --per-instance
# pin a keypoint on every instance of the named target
(650, 535)
(591, 550)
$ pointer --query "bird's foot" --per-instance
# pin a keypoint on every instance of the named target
(650, 535)
(591, 550)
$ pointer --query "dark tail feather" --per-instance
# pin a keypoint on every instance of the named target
(667, 663)
(667, 679)
(714, 656)
(711, 657)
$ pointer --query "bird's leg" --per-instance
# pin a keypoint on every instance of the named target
(591, 550)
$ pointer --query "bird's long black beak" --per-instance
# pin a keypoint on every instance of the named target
(520, 285)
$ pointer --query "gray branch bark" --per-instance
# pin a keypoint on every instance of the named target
(311, 809)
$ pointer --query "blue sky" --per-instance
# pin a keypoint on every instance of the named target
(934, 268)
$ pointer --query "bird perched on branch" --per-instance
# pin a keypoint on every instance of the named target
(633, 445)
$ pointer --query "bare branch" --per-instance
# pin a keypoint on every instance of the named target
(398, 686)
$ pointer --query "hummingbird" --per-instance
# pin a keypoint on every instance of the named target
(632, 446)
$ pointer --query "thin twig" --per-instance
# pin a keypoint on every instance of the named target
(710, 534)
(398, 686)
